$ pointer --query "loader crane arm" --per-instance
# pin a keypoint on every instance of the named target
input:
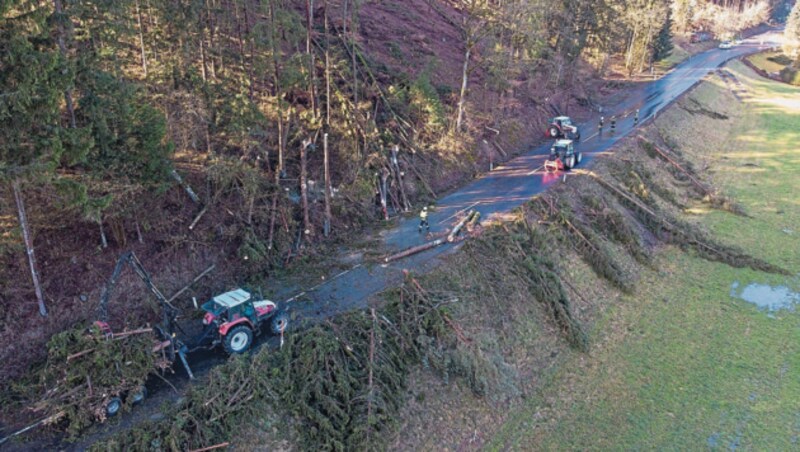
(131, 259)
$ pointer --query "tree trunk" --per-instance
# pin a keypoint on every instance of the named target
(203, 59)
(327, 186)
(26, 235)
(463, 93)
(312, 77)
(210, 25)
(304, 186)
(141, 39)
(62, 47)
(327, 70)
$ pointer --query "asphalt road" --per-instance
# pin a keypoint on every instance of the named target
(507, 187)
(493, 194)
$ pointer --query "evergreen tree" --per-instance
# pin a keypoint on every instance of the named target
(33, 77)
(662, 45)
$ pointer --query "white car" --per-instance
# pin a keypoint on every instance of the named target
(725, 45)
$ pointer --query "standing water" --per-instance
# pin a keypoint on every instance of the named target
(768, 298)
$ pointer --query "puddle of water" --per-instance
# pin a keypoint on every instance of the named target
(768, 298)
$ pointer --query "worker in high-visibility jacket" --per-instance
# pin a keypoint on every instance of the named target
(423, 219)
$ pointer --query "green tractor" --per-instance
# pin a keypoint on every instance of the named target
(234, 318)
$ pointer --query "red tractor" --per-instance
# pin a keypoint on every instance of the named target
(563, 127)
(234, 318)
(562, 156)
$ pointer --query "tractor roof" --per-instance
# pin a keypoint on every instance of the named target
(562, 118)
(562, 142)
(232, 298)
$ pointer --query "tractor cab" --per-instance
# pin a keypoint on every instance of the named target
(235, 318)
(562, 121)
(562, 156)
(236, 304)
(563, 127)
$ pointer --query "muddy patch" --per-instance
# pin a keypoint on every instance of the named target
(765, 297)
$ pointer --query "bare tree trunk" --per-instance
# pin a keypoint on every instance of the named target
(277, 90)
(327, 229)
(304, 186)
(153, 23)
(327, 70)
(62, 47)
(399, 176)
(26, 235)
(203, 59)
(463, 93)
(141, 40)
(103, 240)
(312, 90)
(210, 25)
(353, 52)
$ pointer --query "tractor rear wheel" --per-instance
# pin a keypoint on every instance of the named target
(569, 162)
(579, 158)
(577, 136)
(280, 323)
(238, 339)
(554, 132)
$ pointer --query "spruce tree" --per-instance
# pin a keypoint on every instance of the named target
(33, 77)
(662, 45)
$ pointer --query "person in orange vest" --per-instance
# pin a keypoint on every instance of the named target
(423, 220)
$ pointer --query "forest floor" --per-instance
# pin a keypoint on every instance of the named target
(701, 355)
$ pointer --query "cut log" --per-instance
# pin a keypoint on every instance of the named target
(414, 250)
(185, 186)
(460, 225)
(216, 446)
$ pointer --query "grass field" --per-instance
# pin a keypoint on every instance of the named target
(682, 364)
(761, 61)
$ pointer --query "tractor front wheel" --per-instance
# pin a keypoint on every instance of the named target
(579, 158)
(280, 323)
(238, 339)
(139, 395)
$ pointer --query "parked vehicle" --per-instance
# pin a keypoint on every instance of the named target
(563, 127)
(726, 45)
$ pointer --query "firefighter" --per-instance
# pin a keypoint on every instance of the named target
(613, 123)
(636, 117)
(423, 220)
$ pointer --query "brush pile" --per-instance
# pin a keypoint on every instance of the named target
(87, 369)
